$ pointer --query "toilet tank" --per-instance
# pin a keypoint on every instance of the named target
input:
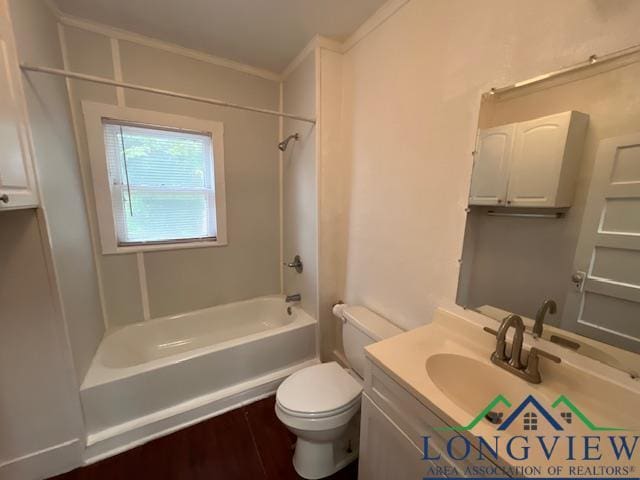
(362, 327)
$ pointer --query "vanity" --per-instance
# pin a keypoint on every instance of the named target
(425, 388)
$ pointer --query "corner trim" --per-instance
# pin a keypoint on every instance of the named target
(318, 41)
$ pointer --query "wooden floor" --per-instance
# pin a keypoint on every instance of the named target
(245, 444)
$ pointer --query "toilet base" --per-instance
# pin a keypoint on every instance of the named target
(315, 460)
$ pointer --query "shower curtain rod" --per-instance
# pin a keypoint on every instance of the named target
(158, 91)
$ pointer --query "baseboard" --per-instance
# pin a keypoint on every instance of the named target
(44, 463)
(112, 441)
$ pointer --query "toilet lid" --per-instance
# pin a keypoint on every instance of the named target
(318, 389)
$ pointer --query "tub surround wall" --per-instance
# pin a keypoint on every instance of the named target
(299, 177)
(155, 284)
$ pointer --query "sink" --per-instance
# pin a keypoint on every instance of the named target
(456, 375)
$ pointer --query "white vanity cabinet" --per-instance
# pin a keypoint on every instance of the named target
(529, 164)
(392, 426)
(17, 177)
(385, 451)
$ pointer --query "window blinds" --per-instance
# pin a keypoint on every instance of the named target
(162, 183)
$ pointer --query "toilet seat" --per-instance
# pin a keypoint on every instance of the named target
(318, 415)
(320, 391)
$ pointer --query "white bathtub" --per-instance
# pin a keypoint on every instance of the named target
(154, 377)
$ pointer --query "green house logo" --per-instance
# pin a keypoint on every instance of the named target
(531, 411)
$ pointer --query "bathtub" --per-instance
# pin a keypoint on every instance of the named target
(154, 377)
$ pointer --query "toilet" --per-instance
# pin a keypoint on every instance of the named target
(321, 404)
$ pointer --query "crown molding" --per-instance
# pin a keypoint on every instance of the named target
(120, 34)
(318, 41)
(380, 16)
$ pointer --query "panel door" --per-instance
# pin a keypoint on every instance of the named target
(385, 451)
(17, 181)
(537, 161)
(491, 165)
(604, 302)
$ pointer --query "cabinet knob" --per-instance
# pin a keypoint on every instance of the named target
(4, 198)
(499, 200)
(508, 202)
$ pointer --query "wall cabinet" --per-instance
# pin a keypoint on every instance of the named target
(492, 165)
(17, 177)
(529, 164)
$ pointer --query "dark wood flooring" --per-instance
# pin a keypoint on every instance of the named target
(247, 443)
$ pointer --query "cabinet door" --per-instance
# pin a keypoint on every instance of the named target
(537, 161)
(385, 451)
(491, 165)
(17, 181)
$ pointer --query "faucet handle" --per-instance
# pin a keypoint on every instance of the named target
(536, 352)
(491, 331)
(532, 371)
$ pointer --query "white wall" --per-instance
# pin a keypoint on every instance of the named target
(299, 185)
(40, 415)
(59, 178)
(334, 181)
(411, 95)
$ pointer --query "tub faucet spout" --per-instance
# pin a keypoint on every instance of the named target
(296, 297)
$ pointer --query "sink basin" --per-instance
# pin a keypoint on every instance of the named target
(457, 375)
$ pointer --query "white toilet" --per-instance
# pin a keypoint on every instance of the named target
(320, 404)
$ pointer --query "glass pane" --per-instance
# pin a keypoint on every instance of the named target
(162, 216)
(162, 183)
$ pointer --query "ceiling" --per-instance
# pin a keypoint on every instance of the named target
(262, 33)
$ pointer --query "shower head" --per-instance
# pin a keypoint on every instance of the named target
(282, 146)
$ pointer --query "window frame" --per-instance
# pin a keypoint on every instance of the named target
(94, 113)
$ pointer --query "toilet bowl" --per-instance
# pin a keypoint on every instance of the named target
(321, 404)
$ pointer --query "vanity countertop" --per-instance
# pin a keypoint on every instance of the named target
(446, 366)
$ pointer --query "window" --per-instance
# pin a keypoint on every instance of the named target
(158, 179)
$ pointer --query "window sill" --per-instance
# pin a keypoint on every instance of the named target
(166, 246)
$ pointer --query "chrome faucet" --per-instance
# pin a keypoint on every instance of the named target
(547, 306)
(296, 297)
(513, 362)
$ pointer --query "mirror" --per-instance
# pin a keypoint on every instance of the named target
(554, 209)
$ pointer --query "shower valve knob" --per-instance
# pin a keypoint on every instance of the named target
(296, 264)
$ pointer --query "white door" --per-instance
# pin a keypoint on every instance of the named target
(17, 181)
(537, 161)
(386, 453)
(491, 165)
(606, 304)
